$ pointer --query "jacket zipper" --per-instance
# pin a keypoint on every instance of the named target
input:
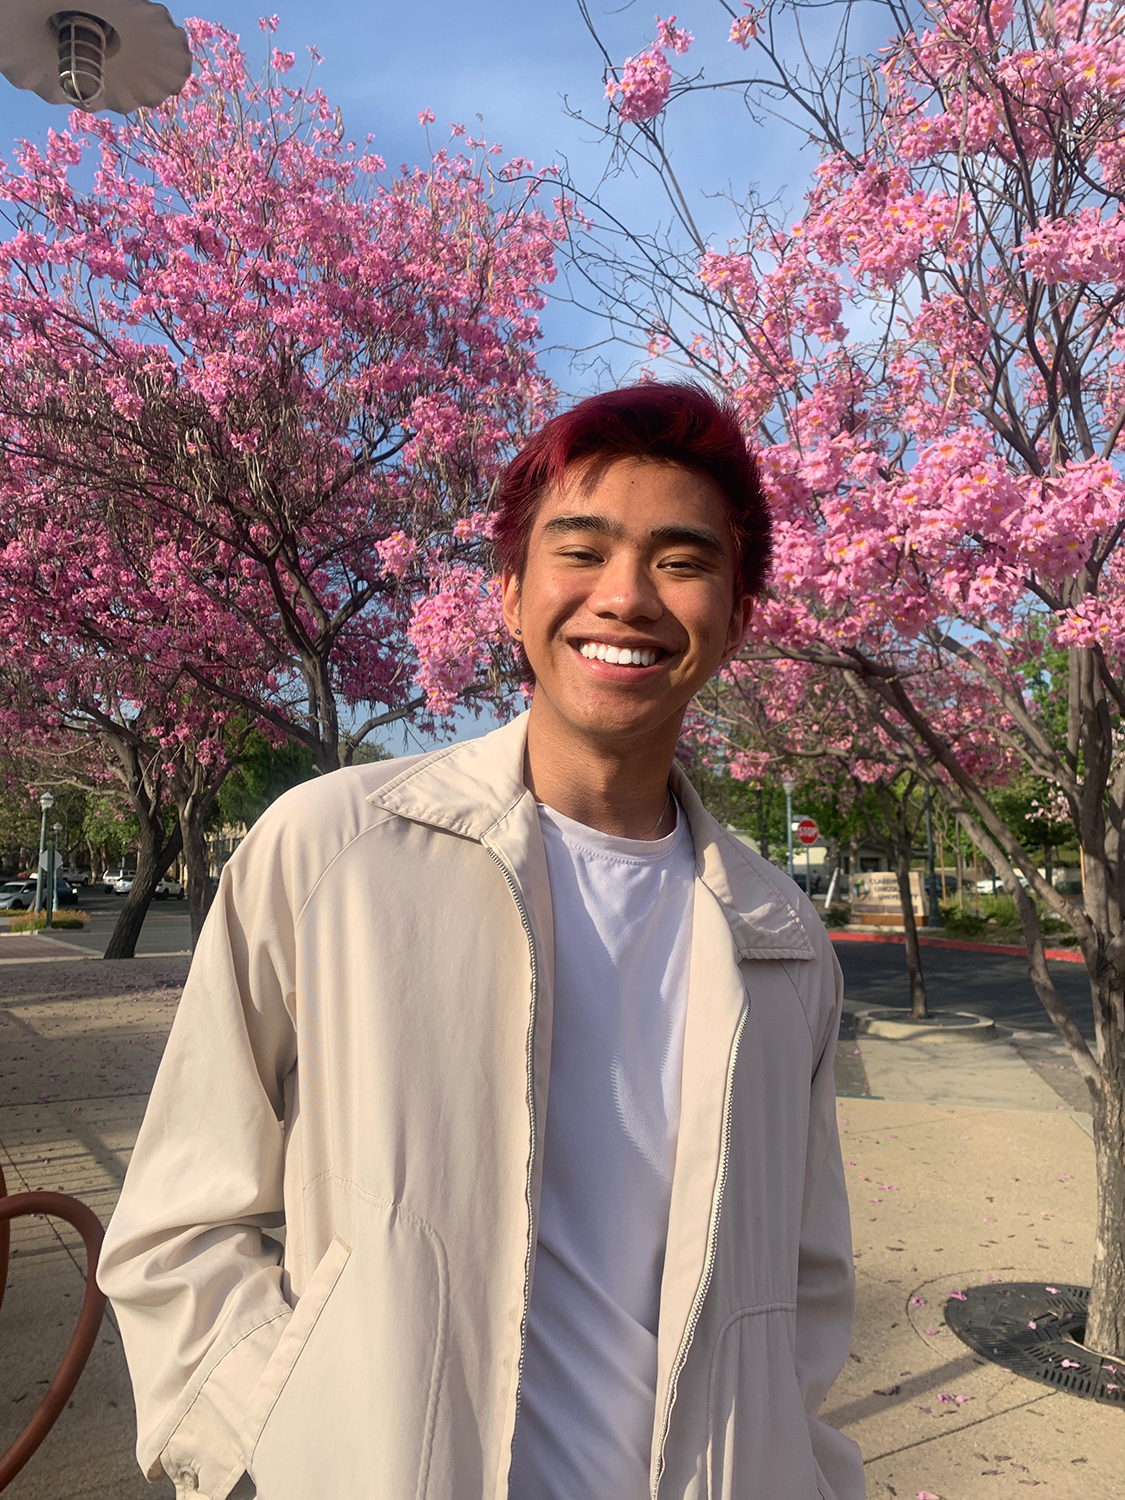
(530, 1196)
(709, 1259)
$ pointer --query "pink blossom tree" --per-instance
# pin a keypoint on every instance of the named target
(930, 362)
(297, 375)
(92, 675)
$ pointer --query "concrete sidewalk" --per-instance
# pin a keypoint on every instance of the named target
(965, 1161)
(80, 1041)
(944, 1197)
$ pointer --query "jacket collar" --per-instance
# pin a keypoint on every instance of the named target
(472, 787)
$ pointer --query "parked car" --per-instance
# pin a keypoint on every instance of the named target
(166, 887)
(17, 895)
(936, 883)
(985, 886)
(123, 884)
(110, 878)
(76, 876)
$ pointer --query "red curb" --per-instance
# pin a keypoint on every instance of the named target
(1059, 955)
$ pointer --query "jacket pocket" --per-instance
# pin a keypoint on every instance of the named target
(347, 1405)
(758, 1445)
(297, 1331)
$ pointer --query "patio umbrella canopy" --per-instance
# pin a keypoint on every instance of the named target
(111, 54)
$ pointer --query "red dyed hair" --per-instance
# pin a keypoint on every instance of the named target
(675, 424)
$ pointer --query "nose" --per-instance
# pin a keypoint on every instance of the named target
(625, 590)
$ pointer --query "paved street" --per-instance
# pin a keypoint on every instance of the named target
(165, 930)
(992, 985)
(965, 1160)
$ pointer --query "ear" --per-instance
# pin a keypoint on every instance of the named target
(510, 598)
(741, 615)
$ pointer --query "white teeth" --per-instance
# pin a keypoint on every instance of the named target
(619, 655)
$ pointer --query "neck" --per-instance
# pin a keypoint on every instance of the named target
(619, 788)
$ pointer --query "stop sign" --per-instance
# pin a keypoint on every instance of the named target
(807, 831)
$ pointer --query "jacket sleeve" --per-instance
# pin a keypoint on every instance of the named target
(196, 1286)
(826, 1271)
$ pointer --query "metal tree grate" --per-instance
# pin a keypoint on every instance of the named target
(1036, 1331)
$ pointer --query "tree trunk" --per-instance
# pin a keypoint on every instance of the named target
(913, 948)
(1105, 1327)
(155, 853)
(197, 882)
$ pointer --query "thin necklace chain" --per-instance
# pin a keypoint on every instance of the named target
(660, 819)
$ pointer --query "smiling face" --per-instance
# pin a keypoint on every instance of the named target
(627, 602)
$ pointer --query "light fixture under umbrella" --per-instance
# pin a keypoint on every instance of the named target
(109, 54)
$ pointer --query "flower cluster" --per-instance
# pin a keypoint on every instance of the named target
(646, 79)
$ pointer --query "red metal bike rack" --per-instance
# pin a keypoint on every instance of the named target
(58, 1206)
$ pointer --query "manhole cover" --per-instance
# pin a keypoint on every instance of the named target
(1036, 1331)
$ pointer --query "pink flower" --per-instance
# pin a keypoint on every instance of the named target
(644, 86)
(671, 37)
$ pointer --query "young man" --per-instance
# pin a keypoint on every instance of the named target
(530, 1059)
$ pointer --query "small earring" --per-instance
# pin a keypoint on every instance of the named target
(517, 631)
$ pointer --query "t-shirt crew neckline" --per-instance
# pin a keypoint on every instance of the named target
(597, 842)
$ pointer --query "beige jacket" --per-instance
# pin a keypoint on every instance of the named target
(361, 1054)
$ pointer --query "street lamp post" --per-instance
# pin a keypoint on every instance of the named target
(53, 875)
(46, 802)
(789, 786)
(933, 914)
(108, 54)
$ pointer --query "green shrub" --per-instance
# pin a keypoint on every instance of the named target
(961, 925)
(1052, 924)
(999, 910)
(838, 916)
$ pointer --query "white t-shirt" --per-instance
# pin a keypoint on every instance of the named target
(622, 918)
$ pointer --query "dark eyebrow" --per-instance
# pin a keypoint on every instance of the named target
(602, 525)
(687, 535)
(673, 536)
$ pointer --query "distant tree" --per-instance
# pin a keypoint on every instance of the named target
(263, 772)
